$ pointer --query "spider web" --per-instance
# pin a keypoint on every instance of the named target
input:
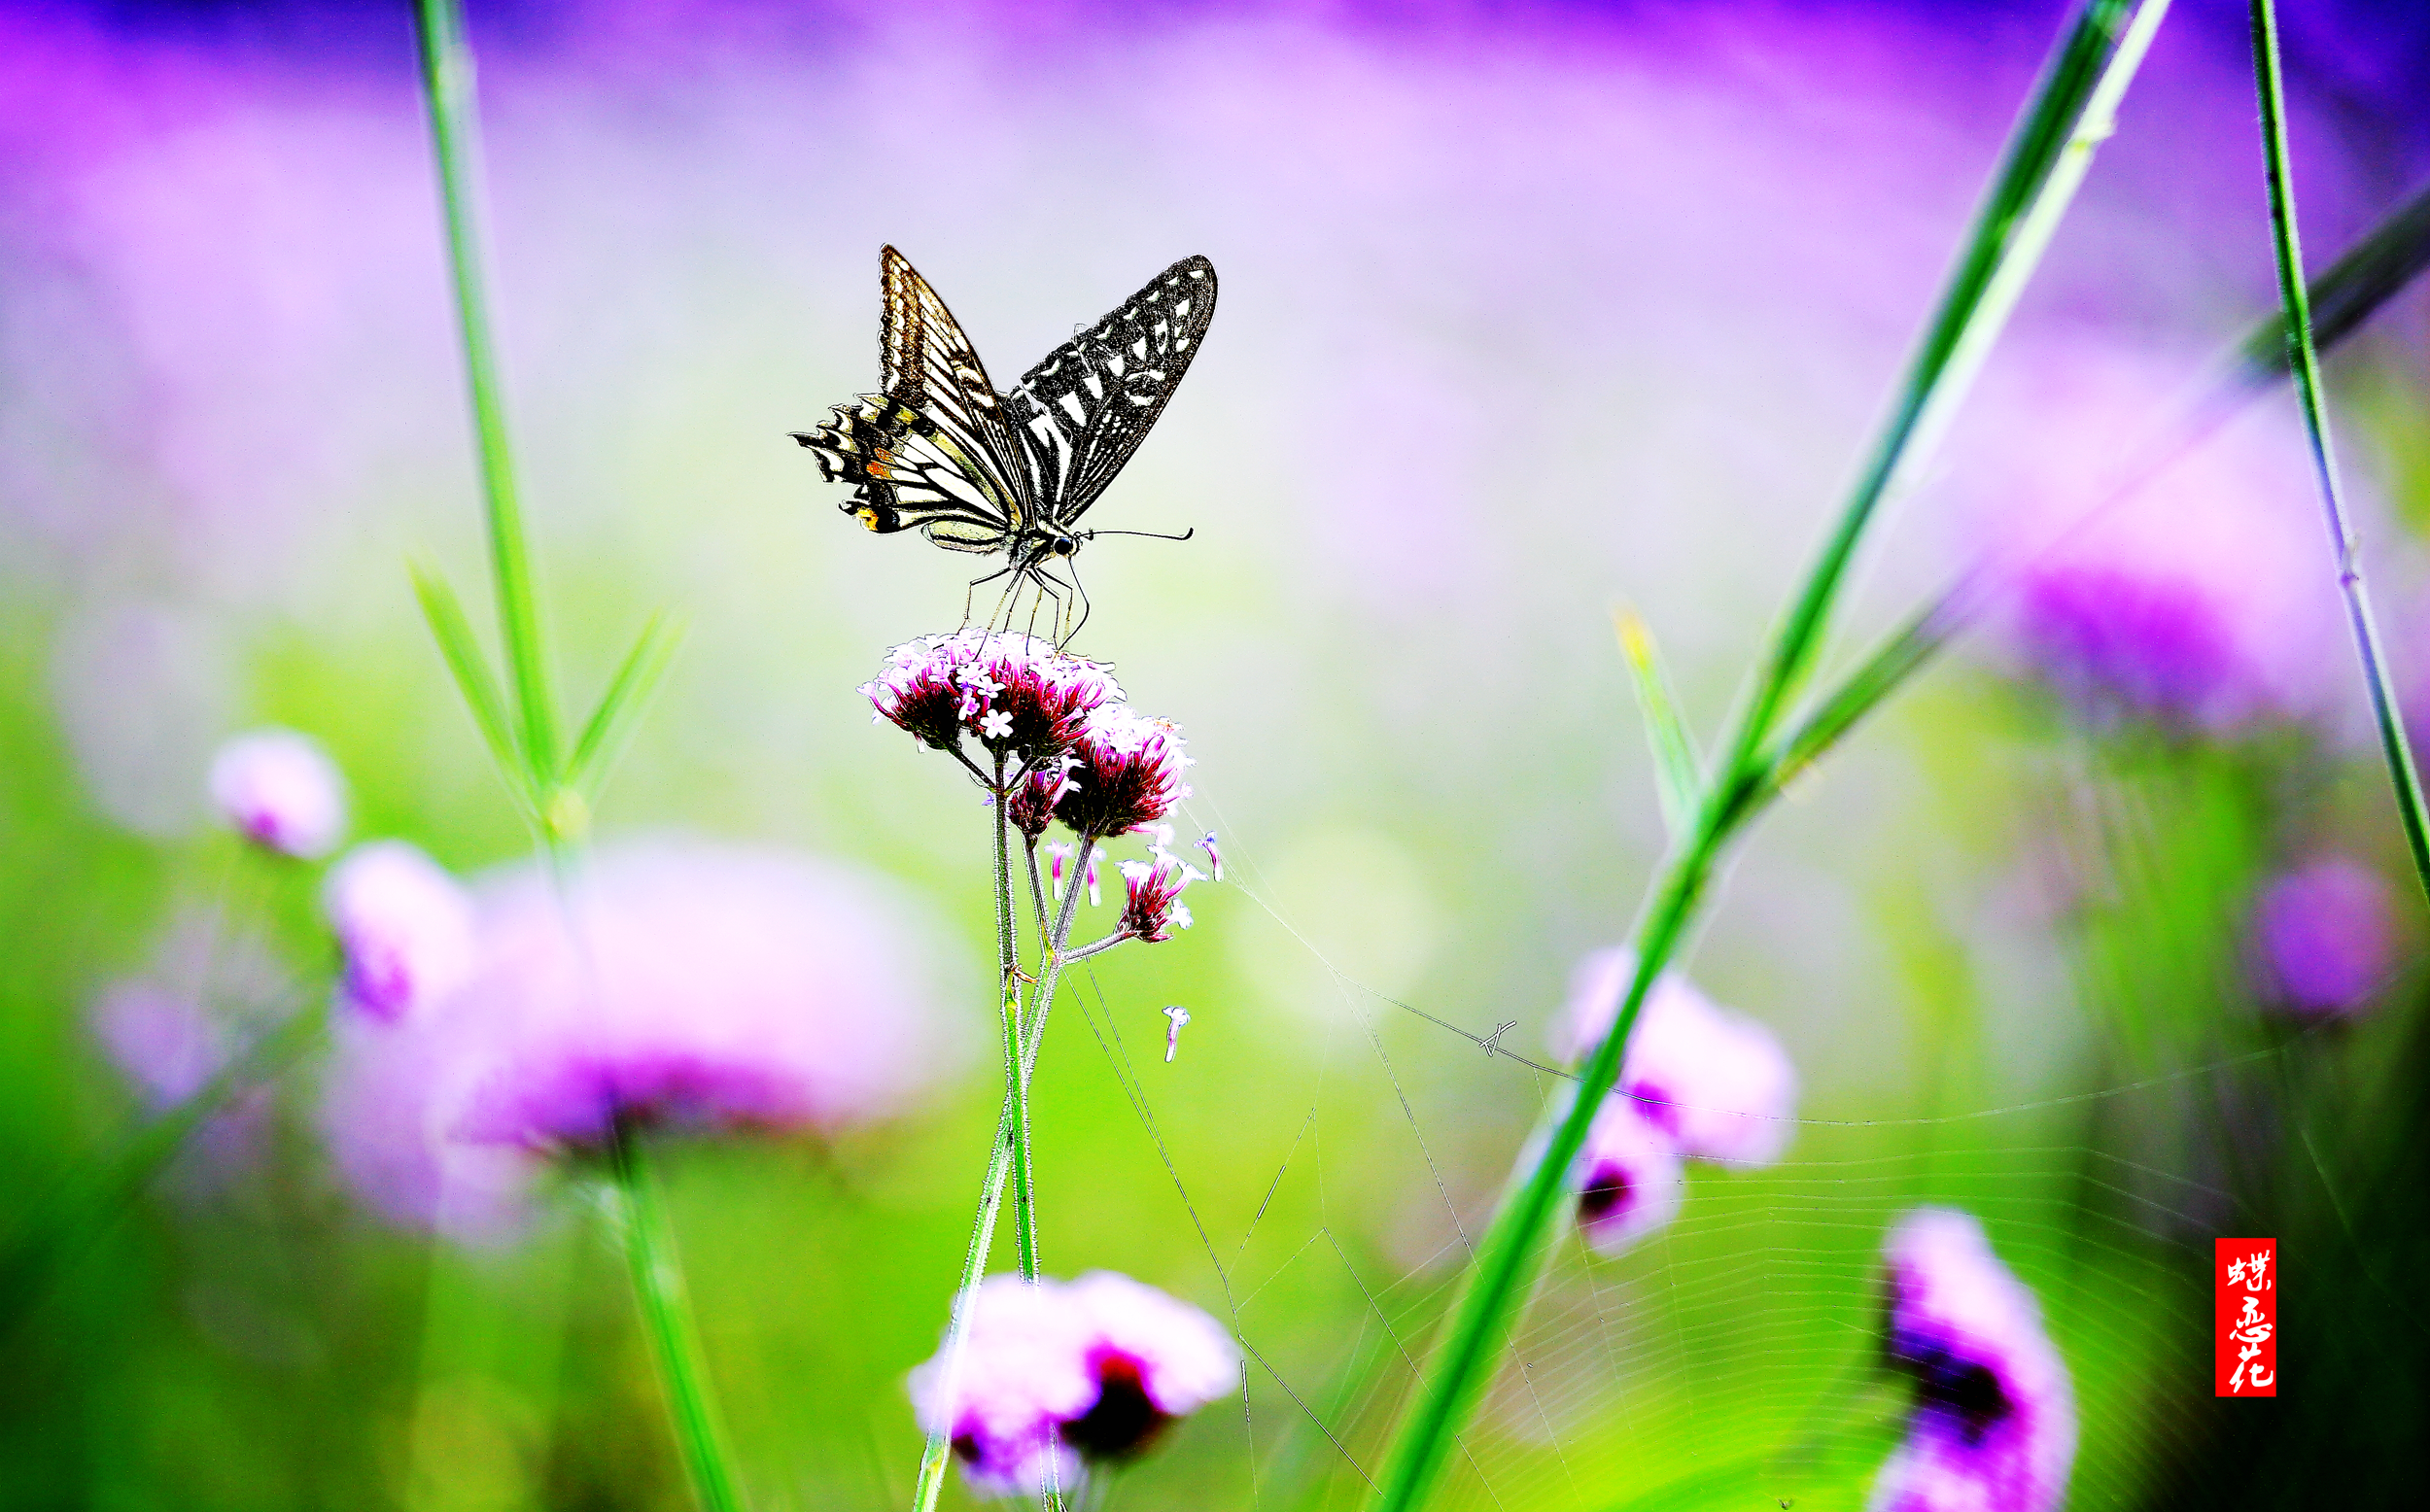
(1731, 1358)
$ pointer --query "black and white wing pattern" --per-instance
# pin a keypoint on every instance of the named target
(934, 449)
(1081, 412)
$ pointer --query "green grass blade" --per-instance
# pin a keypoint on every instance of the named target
(628, 693)
(1675, 761)
(2069, 115)
(2305, 357)
(471, 669)
(454, 135)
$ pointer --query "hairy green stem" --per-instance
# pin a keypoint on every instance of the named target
(939, 1448)
(447, 80)
(667, 1311)
(2303, 357)
(2067, 118)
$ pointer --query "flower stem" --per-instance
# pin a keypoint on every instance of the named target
(2046, 158)
(667, 1311)
(1034, 1032)
(2303, 357)
(1015, 1068)
(455, 132)
(939, 1448)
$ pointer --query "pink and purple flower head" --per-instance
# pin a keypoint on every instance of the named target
(675, 984)
(1152, 906)
(1054, 1377)
(279, 790)
(1128, 776)
(1716, 1083)
(2199, 603)
(405, 926)
(1628, 1178)
(1011, 691)
(2322, 940)
(1993, 1423)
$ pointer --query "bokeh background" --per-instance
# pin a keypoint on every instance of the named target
(1525, 313)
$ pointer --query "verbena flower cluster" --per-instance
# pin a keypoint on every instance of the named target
(1056, 1377)
(1994, 1425)
(1079, 753)
(673, 983)
(1698, 1082)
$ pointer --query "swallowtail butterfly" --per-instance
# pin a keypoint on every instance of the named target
(985, 473)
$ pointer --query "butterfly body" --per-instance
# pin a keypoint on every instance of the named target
(938, 449)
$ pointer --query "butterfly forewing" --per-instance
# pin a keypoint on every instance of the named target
(1082, 410)
(934, 450)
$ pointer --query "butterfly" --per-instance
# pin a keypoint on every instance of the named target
(985, 473)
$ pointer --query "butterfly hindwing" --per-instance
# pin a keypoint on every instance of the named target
(1084, 409)
(905, 473)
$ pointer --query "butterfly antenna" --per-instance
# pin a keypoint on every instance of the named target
(1150, 534)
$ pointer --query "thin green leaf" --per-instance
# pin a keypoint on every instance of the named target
(2373, 270)
(1675, 761)
(612, 723)
(471, 667)
(2069, 115)
(456, 140)
(2305, 357)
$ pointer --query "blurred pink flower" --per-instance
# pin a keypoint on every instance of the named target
(1994, 1426)
(2322, 938)
(405, 926)
(277, 789)
(1628, 1179)
(1056, 1375)
(1718, 1082)
(678, 984)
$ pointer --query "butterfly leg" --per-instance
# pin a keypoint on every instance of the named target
(973, 589)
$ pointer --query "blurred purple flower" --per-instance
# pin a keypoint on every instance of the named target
(170, 1046)
(1716, 1083)
(1056, 1375)
(1628, 1179)
(1129, 774)
(405, 926)
(679, 983)
(2204, 599)
(1994, 1425)
(2322, 938)
(277, 789)
(1152, 906)
(165, 1042)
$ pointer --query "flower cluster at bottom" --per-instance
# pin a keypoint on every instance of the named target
(1994, 1426)
(1054, 1377)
